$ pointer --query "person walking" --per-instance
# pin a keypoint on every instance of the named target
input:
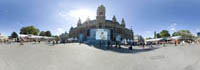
(175, 43)
(21, 41)
(108, 44)
(151, 45)
(143, 45)
(39, 40)
(49, 41)
(131, 44)
(54, 42)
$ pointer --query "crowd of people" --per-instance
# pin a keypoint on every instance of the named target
(118, 44)
(108, 44)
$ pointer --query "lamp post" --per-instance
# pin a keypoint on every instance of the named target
(130, 48)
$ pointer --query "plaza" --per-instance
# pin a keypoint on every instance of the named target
(75, 56)
(99, 35)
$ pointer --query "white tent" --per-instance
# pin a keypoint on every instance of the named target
(3, 37)
(175, 38)
(33, 37)
(22, 35)
(152, 40)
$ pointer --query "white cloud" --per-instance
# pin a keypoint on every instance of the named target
(75, 14)
(147, 34)
(172, 27)
(82, 13)
(59, 31)
(70, 18)
(198, 30)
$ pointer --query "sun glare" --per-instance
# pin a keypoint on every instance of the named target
(83, 14)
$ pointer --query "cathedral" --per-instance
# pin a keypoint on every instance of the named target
(91, 31)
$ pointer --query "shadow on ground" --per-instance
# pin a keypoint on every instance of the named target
(124, 50)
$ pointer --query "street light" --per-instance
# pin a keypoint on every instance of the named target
(132, 39)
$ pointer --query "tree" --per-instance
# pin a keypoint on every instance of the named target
(181, 33)
(175, 34)
(155, 35)
(186, 34)
(57, 38)
(14, 35)
(48, 33)
(42, 33)
(164, 33)
(158, 35)
(45, 33)
(29, 30)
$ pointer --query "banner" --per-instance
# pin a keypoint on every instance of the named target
(102, 34)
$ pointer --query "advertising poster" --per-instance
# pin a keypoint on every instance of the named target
(101, 34)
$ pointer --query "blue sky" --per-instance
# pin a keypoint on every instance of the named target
(145, 16)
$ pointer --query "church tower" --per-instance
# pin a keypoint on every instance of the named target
(114, 20)
(79, 22)
(101, 14)
(123, 23)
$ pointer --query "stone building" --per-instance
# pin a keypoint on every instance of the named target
(101, 29)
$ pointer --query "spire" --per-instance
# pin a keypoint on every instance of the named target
(114, 20)
(79, 22)
(88, 20)
(123, 23)
(71, 28)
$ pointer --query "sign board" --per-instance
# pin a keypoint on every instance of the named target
(81, 37)
(102, 34)
(118, 38)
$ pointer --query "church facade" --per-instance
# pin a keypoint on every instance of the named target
(101, 29)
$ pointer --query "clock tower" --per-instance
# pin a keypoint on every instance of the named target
(101, 12)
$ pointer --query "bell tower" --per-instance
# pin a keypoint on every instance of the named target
(101, 12)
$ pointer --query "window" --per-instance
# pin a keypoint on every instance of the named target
(88, 32)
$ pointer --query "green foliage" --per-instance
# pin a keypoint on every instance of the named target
(42, 33)
(186, 34)
(158, 35)
(176, 34)
(14, 35)
(182, 32)
(164, 33)
(48, 33)
(57, 38)
(29, 30)
(155, 35)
